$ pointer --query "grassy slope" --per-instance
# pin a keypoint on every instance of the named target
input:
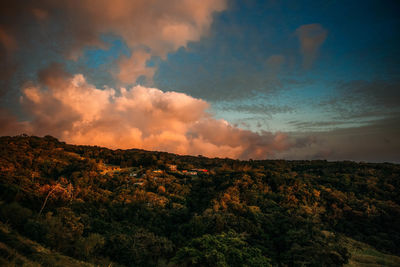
(363, 255)
(16, 250)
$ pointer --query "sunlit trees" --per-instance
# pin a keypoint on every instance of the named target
(241, 213)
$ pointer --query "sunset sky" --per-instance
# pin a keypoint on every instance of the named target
(226, 78)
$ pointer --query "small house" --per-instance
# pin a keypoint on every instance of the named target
(172, 167)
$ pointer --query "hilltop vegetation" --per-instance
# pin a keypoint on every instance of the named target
(133, 208)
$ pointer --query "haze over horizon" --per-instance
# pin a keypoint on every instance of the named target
(220, 78)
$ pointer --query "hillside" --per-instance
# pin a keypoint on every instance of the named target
(363, 255)
(16, 250)
(91, 205)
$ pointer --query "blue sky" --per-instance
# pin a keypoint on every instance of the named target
(362, 44)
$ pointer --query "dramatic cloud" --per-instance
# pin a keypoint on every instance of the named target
(311, 37)
(75, 111)
(148, 27)
(70, 108)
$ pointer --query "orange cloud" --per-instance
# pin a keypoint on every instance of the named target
(73, 110)
(158, 26)
(132, 68)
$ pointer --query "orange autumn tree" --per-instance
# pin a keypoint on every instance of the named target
(60, 190)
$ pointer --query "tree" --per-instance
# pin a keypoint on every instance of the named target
(226, 249)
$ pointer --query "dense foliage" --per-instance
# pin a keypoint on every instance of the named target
(127, 207)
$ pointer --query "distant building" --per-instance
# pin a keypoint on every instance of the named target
(200, 170)
(195, 172)
(172, 167)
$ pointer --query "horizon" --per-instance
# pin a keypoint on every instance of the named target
(230, 79)
(202, 156)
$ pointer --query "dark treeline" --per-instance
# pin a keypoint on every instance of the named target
(128, 208)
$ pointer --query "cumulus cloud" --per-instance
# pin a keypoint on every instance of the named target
(70, 108)
(132, 68)
(311, 37)
(158, 26)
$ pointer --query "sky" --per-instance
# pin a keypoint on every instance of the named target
(259, 79)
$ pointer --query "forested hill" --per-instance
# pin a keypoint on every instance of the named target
(67, 205)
